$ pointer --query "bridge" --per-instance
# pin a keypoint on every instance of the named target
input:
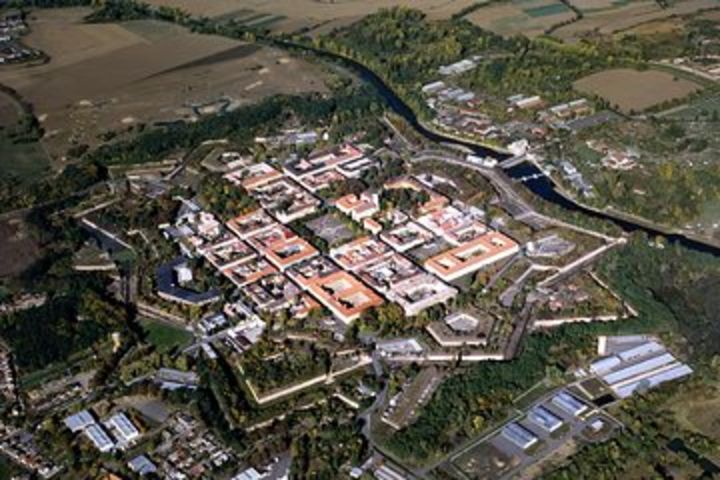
(512, 161)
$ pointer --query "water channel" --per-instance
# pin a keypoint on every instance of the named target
(541, 186)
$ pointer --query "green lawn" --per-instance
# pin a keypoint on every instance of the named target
(165, 337)
(25, 161)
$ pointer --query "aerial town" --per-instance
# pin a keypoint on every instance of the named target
(447, 257)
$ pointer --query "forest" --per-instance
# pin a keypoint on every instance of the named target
(55, 331)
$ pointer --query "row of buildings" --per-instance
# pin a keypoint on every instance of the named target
(277, 269)
(115, 432)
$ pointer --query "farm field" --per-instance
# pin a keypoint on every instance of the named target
(314, 16)
(608, 17)
(597, 6)
(528, 17)
(635, 91)
(109, 77)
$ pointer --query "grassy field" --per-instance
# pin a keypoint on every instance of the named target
(165, 337)
(632, 90)
(110, 77)
(24, 162)
(526, 17)
(698, 410)
(702, 109)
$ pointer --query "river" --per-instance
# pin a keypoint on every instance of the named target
(710, 469)
(542, 186)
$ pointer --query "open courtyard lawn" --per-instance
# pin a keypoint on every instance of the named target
(104, 79)
(165, 337)
(634, 91)
(23, 162)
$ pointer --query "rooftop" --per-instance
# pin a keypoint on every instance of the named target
(359, 207)
(282, 247)
(435, 202)
(272, 293)
(406, 236)
(251, 223)
(322, 160)
(285, 200)
(79, 421)
(227, 252)
(249, 271)
(344, 295)
(305, 272)
(168, 286)
(401, 281)
(99, 438)
(462, 329)
(637, 363)
(472, 256)
(359, 253)
(447, 222)
(253, 176)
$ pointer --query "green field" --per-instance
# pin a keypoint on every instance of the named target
(165, 337)
(546, 10)
(27, 162)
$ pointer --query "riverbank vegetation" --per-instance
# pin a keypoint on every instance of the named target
(673, 176)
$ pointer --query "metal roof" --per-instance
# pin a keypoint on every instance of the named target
(79, 420)
(544, 418)
(99, 437)
(642, 350)
(519, 435)
(674, 373)
(638, 369)
(569, 403)
(125, 428)
(142, 465)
